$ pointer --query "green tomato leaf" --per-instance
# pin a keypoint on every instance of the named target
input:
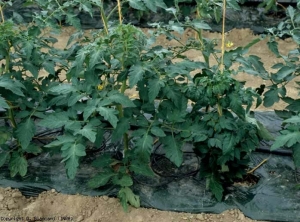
(293, 119)
(25, 132)
(271, 97)
(34, 149)
(141, 168)
(296, 154)
(121, 99)
(173, 149)
(12, 85)
(49, 67)
(228, 143)
(284, 72)
(61, 140)
(109, 115)
(144, 146)
(74, 99)
(17, 164)
(291, 12)
(71, 153)
(88, 132)
(125, 181)
(100, 180)
(150, 4)
(136, 73)
(3, 157)
(154, 88)
(137, 4)
(62, 89)
(102, 161)
(127, 196)
(32, 68)
(160, 4)
(88, 111)
(287, 138)
(3, 103)
(263, 132)
(95, 58)
(199, 24)
(273, 46)
(122, 127)
(55, 120)
(99, 137)
(216, 187)
(233, 4)
(294, 106)
(73, 20)
(156, 131)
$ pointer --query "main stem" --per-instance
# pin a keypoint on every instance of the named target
(123, 87)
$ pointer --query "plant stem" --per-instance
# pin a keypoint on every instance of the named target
(7, 61)
(123, 87)
(11, 117)
(104, 19)
(7, 58)
(120, 11)
(1, 12)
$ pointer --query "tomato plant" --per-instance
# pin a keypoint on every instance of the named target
(84, 92)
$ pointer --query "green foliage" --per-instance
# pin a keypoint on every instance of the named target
(92, 98)
(285, 72)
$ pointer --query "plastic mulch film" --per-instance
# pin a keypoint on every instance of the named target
(249, 16)
(276, 196)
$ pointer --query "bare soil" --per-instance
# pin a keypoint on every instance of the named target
(53, 206)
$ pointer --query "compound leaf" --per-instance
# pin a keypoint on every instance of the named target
(109, 115)
(122, 127)
(124, 181)
(173, 149)
(100, 179)
(102, 161)
(287, 138)
(127, 196)
(144, 146)
(12, 85)
(137, 4)
(3, 103)
(71, 153)
(156, 131)
(154, 88)
(141, 168)
(55, 120)
(3, 157)
(296, 154)
(136, 73)
(62, 89)
(271, 97)
(25, 132)
(88, 132)
(216, 187)
(87, 112)
(17, 164)
(121, 99)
